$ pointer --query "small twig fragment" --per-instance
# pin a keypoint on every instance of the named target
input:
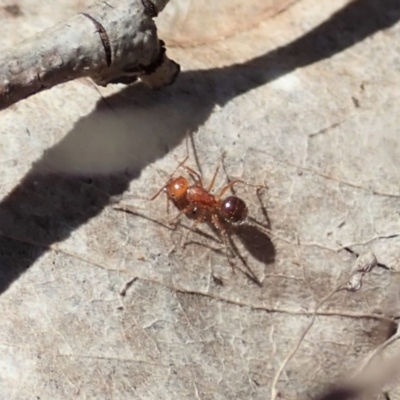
(365, 263)
(126, 286)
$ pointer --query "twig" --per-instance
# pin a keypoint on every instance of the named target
(210, 295)
(278, 374)
(365, 264)
(111, 42)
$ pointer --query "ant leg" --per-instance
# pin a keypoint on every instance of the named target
(189, 136)
(167, 206)
(157, 194)
(163, 187)
(194, 173)
(196, 158)
(229, 245)
(130, 210)
(215, 173)
(202, 234)
(232, 183)
(266, 226)
(186, 210)
(225, 239)
(198, 220)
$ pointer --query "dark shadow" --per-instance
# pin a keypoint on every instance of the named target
(255, 242)
(130, 130)
(340, 393)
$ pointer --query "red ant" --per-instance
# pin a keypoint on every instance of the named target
(197, 201)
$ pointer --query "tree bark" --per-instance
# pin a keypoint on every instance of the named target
(111, 42)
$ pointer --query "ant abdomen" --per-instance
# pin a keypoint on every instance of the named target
(234, 210)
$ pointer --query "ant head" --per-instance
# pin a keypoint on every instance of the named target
(234, 210)
(176, 188)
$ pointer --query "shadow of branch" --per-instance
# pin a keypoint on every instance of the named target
(77, 178)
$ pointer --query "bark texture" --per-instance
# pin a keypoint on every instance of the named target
(110, 42)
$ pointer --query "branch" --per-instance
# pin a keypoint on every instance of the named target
(111, 42)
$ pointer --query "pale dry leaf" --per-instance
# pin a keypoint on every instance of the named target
(304, 102)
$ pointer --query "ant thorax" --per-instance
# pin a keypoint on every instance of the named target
(200, 197)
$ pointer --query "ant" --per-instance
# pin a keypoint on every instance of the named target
(197, 202)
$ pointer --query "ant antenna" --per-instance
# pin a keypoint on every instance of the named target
(196, 158)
